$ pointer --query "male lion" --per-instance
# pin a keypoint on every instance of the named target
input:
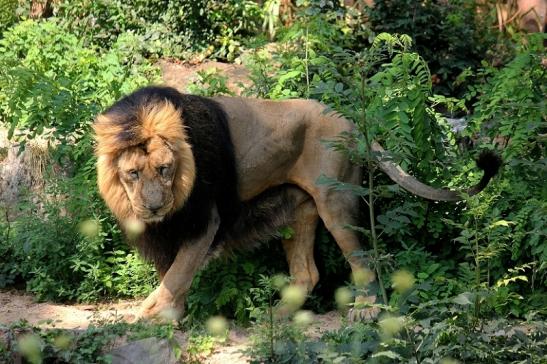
(208, 174)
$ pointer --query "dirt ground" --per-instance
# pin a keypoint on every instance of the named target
(180, 75)
(16, 305)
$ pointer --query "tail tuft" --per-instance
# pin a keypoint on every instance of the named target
(490, 162)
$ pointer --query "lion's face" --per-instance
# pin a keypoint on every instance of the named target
(145, 165)
(146, 173)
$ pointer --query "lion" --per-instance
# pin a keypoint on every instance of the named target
(207, 175)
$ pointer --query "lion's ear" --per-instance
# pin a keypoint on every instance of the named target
(107, 135)
(111, 188)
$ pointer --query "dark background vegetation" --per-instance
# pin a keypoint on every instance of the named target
(478, 262)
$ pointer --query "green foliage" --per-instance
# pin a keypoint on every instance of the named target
(302, 66)
(8, 270)
(451, 35)
(70, 346)
(440, 330)
(511, 101)
(508, 222)
(7, 14)
(225, 285)
(274, 338)
(58, 261)
(164, 28)
(431, 341)
(198, 346)
(53, 86)
(210, 83)
(57, 85)
(98, 22)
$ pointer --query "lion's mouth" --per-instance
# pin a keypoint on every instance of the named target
(152, 216)
(152, 219)
(148, 216)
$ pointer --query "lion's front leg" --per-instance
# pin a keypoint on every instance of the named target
(168, 299)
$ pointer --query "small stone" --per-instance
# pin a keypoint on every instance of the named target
(146, 351)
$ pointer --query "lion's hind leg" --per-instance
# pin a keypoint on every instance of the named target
(299, 247)
(337, 209)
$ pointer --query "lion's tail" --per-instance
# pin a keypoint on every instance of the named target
(261, 219)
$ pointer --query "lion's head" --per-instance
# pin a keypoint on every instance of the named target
(145, 165)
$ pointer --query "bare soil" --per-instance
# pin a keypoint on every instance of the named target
(16, 305)
(180, 75)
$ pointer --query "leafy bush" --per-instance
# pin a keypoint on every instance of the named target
(53, 86)
(37, 345)
(7, 13)
(164, 28)
(399, 339)
(224, 286)
(510, 111)
(56, 85)
(451, 35)
(437, 331)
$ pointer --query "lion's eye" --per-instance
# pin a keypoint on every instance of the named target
(134, 174)
(163, 171)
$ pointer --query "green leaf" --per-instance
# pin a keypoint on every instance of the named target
(387, 354)
(463, 299)
(502, 223)
(342, 186)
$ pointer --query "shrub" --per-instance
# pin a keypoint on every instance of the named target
(510, 113)
(224, 286)
(32, 344)
(7, 13)
(451, 35)
(52, 85)
(165, 28)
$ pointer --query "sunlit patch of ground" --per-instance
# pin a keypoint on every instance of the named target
(15, 306)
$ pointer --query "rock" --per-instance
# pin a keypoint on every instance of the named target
(146, 351)
(20, 171)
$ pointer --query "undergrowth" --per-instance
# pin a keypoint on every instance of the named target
(92, 345)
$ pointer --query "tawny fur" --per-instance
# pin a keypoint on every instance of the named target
(270, 145)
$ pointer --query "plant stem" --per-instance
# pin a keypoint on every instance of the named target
(370, 170)
(271, 329)
(414, 347)
(307, 67)
(477, 269)
(377, 265)
(8, 229)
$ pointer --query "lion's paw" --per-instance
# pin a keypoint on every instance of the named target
(161, 304)
(364, 309)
